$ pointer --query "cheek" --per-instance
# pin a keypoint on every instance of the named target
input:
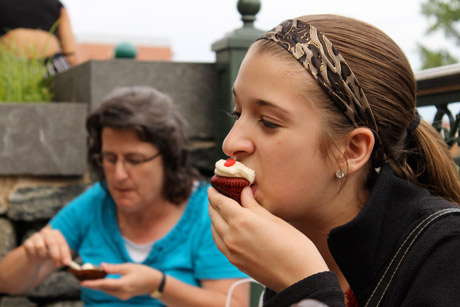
(296, 194)
(151, 181)
(290, 161)
(291, 180)
(295, 177)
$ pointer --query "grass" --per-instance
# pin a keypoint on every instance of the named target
(22, 79)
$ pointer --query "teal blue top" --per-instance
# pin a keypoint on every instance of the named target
(187, 252)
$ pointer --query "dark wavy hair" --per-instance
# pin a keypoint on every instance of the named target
(152, 115)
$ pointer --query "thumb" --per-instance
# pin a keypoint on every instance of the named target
(247, 198)
(249, 202)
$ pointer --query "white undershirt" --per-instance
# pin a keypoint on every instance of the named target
(138, 252)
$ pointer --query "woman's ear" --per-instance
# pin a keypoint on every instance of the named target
(357, 150)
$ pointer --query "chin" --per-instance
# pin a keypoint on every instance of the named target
(125, 205)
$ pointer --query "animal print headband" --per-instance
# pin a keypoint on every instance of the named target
(315, 52)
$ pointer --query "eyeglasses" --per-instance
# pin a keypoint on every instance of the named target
(108, 161)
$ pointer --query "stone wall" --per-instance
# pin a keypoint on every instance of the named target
(43, 139)
(192, 86)
(43, 151)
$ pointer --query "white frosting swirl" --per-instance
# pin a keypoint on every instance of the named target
(89, 266)
(237, 170)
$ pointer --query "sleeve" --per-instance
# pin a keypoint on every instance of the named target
(73, 219)
(322, 287)
(210, 263)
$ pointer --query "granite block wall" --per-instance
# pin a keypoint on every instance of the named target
(192, 86)
(42, 138)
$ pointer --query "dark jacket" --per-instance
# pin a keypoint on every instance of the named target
(430, 272)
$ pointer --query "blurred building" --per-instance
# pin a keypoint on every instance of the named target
(97, 47)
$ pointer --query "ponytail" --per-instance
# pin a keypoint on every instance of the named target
(429, 164)
(418, 155)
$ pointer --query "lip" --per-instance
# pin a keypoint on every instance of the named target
(124, 190)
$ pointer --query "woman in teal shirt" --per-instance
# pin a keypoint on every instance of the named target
(145, 221)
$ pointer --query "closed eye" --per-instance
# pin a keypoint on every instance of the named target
(268, 124)
(111, 158)
(134, 159)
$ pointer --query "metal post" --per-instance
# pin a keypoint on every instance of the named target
(125, 50)
(230, 52)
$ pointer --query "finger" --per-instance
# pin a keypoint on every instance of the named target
(219, 225)
(218, 240)
(224, 205)
(110, 286)
(114, 268)
(35, 246)
(57, 246)
(249, 202)
(215, 216)
(103, 284)
(213, 196)
(57, 242)
(247, 198)
(64, 249)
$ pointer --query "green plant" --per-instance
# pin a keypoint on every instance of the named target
(23, 79)
(443, 15)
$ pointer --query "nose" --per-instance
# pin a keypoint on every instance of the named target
(238, 141)
(120, 171)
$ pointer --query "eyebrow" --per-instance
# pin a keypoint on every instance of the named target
(264, 103)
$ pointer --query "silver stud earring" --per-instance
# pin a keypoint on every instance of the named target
(340, 174)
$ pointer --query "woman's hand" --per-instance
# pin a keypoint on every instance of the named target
(136, 279)
(28, 265)
(48, 244)
(261, 244)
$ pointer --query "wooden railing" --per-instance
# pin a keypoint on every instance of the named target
(440, 87)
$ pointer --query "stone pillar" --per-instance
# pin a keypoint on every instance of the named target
(230, 52)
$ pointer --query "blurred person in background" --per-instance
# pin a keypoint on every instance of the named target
(147, 216)
(39, 29)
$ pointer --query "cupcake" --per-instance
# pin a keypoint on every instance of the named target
(86, 271)
(231, 177)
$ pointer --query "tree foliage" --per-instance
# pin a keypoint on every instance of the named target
(437, 58)
(444, 16)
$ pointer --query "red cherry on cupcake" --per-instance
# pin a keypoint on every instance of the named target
(229, 162)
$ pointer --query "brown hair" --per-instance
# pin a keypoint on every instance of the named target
(385, 75)
(151, 114)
